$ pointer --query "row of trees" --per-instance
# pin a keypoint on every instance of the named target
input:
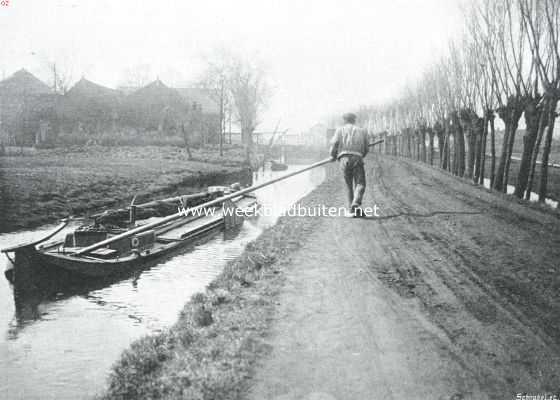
(506, 66)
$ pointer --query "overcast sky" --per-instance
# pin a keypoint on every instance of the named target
(322, 56)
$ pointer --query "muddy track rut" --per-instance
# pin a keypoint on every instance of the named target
(453, 293)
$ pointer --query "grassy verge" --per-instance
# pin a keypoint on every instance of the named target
(210, 352)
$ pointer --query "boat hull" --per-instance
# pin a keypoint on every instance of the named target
(49, 257)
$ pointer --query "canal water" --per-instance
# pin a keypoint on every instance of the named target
(60, 342)
(534, 197)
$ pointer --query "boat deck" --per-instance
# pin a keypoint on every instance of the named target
(214, 218)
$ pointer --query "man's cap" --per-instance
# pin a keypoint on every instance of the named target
(349, 117)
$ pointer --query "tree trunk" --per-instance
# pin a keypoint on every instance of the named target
(477, 151)
(546, 149)
(417, 145)
(532, 119)
(510, 114)
(492, 150)
(186, 141)
(452, 163)
(431, 145)
(471, 152)
(441, 142)
(418, 136)
(445, 162)
(459, 147)
(418, 148)
(222, 117)
(423, 144)
(408, 145)
(499, 177)
(221, 141)
(465, 119)
(536, 147)
(483, 143)
(516, 118)
(247, 136)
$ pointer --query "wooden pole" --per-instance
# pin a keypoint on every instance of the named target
(222, 117)
(195, 209)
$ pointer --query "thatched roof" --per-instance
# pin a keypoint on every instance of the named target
(23, 83)
(155, 92)
(190, 96)
(89, 102)
(88, 89)
(148, 105)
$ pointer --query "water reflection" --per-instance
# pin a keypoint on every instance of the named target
(35, 286)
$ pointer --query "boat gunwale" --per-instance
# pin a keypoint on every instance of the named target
(50, 254)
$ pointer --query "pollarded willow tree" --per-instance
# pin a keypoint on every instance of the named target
(541, 19)
(507, 65)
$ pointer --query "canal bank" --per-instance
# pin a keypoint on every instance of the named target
(210, 352)
(59, 341)
(450, 293)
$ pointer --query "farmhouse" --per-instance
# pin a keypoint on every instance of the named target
(89, 107)
(31, 113)
(26, 108)
(206, 114)
(154, 107)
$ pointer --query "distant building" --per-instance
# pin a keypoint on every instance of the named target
(207, 110)
(89, 107)
(31, 113)
(154, 107)
(26, 106)
(201, 99)
(159, 107)
(126, 90)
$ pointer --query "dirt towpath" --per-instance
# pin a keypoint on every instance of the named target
(453, 293)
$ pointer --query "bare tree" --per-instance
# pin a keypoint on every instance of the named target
(249, 92)
(216, 80)
(60, 72)
(541, 19)
(508, 65)
(239, 84)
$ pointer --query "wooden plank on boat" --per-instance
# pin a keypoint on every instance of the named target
(213, 219)
(180, 232)
(104, 252)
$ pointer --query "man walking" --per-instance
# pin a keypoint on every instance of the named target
(349, 146)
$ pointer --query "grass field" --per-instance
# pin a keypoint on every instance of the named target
(50, 184)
